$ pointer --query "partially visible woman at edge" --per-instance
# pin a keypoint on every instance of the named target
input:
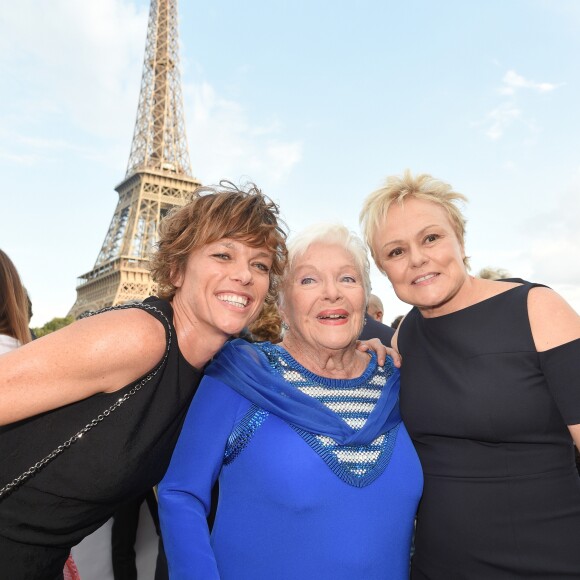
(14, 330)
(15, 313)
(128, 374)
(318, 477)
(489, 392)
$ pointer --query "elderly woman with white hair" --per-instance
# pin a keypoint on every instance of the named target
(318, 477)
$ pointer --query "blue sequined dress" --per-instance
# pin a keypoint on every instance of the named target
(294, 503)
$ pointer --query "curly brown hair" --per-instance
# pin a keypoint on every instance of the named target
(268, 325)
(217, 212)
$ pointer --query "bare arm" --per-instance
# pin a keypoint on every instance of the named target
(395, 340)
(575, 432)
(98, 354)
(554, 322)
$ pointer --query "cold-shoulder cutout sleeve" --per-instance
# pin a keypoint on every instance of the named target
(561, 367)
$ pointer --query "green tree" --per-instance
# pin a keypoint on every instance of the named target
(52, 325)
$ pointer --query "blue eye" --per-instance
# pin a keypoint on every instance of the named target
(221, 256)
(349, 279)
(307, 280)
(262, 267)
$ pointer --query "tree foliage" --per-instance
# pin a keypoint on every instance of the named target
(53, 325)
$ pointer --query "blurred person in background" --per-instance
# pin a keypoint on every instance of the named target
(373, 326)
(493, 274)
(375, 308)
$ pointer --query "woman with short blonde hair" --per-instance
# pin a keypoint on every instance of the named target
(489, 393)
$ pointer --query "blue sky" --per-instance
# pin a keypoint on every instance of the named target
(315, 101)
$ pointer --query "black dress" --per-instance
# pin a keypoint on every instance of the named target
(118, 460)
(488, 416)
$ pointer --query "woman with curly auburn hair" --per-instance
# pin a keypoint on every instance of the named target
(107, 395)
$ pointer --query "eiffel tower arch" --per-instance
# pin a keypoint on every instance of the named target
(158, 175)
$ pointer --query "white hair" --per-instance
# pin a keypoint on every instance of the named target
(328, 233)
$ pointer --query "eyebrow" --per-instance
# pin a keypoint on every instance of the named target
(421, 231)
(264, 255)
(313, 267)
(231, 246)
(304, 266)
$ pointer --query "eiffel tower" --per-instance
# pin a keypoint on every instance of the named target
(158, 175)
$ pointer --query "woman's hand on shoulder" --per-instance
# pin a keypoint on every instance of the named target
(553, 321)
(381, 351)
(102, 353)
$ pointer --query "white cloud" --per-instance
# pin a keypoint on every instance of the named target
(28, 160)
(504, 115)
(512, 82)
(282, 157)
(80, 69)
(83, 71)
(500, 118)
(226, 144)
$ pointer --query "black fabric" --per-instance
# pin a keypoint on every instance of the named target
(124, 535)
(502, 495)
(20, 561)
(561, 365)
(117, 461)
(375, 329)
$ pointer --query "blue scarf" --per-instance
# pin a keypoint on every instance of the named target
(245, 368)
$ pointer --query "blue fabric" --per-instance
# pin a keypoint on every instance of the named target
(244, 367)
(282, 513)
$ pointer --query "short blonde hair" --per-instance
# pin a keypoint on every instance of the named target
(223, 211)
(422, 186)
(329, 233)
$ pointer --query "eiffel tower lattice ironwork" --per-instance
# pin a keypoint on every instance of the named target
(158, 175)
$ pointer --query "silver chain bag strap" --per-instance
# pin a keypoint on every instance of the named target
(8, 488)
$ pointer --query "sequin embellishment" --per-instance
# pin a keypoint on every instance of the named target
(243, 432)
(353, 400)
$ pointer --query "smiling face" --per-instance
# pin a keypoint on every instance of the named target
(419, 251)
(223, 287)
(324, 298)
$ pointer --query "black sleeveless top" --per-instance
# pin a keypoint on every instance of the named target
(122, 457)
(487, 414)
